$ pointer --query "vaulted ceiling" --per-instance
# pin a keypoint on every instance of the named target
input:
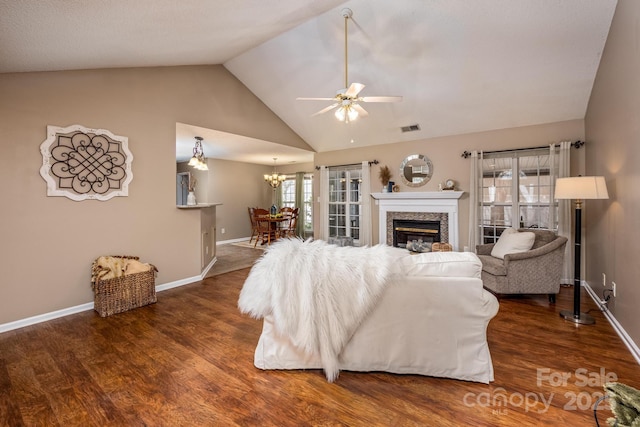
(460, 65)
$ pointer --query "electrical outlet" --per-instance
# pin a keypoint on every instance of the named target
(604, 280)
(613, 284)
(222, 230)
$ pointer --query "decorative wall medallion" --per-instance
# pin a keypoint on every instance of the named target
(81, 163)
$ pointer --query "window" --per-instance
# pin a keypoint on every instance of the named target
(517, 192)
(288, 189)
(288, 199)
(345, 202)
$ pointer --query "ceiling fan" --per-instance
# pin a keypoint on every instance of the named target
(347, 100)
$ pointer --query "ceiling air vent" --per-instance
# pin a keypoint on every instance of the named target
(410, 128)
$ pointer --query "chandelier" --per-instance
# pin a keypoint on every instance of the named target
(198, 161)
(274, 180)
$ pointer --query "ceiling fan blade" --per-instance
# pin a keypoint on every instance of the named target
(354, 90)
(315, 99)
(361, 111)
(381, 99)
(324, 110)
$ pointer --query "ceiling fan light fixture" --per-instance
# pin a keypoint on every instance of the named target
(352, 114)
(347, 99)
(346, 114)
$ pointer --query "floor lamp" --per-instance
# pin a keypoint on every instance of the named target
(579, 188)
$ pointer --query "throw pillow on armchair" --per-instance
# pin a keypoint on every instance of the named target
(512, 241)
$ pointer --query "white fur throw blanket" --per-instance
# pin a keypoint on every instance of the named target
(317, 293)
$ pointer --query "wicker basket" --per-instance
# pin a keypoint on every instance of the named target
(124, 293)
(441, 247)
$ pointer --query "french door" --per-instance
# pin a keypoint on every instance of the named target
(345, 202)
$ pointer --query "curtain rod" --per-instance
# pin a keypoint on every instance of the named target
(576, 144)
(371, 162)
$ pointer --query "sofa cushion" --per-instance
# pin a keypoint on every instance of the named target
(493, 265)
(442, 264)
(512, 241)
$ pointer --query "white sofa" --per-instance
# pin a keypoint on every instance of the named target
(430, 318)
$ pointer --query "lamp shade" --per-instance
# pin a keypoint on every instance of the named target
(581, 187)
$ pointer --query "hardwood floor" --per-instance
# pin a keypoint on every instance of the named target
(188, 361)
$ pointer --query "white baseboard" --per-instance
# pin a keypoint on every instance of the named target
(206, 270)
(224, 242)
(45, 317)
(626, 339)
(17, 324)
(178, 283)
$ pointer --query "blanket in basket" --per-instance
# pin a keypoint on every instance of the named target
(318, 293)
(121, 283)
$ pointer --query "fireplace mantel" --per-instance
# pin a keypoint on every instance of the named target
(445, 202)
(411, 195)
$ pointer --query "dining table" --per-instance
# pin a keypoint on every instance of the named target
(273, 220)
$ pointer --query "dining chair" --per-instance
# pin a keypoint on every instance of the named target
(264, 229)
(254, 226)
(283, 227)
(289, 227)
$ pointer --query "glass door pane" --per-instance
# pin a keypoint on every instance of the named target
(337, 220)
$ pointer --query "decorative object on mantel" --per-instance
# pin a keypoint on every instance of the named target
(416, 170)
(198, 161)
(385, 176)
(85, 164)
(449, 185)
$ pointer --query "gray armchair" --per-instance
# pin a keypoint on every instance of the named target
(537, 271)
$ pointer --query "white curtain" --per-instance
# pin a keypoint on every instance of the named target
(300, 203)
(365, 206)
(474, 195)
(323, 219)
(564, 213)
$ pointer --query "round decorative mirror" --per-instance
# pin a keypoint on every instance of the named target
(416, 170)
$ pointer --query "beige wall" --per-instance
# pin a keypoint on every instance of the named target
(237, 186)
(48, 243)
(612, 128)
(445, 154)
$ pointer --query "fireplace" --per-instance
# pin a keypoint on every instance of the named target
(438, 221)
(430, 206)
(407, 230)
